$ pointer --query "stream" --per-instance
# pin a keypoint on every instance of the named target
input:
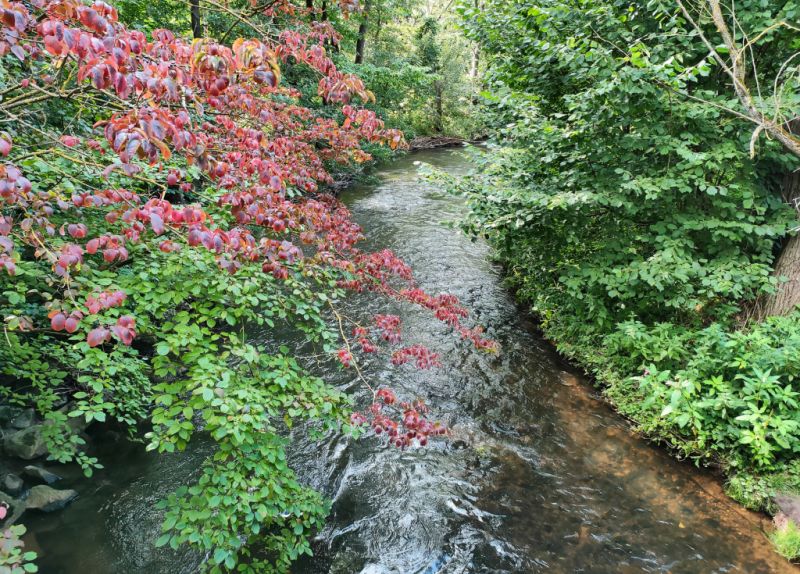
(540, 475)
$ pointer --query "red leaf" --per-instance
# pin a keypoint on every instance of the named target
(17, 50)
(58, 321)
(157, 223)
(124, 334)
(97, 336)
(93, 305)
(71, 324)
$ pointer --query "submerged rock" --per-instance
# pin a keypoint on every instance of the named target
(26, 444)
(47, 499)
(12, 484)
(39, 475)
(568, 379)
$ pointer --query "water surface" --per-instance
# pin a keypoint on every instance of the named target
(540, 475)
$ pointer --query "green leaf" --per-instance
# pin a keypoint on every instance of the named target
(220, 555)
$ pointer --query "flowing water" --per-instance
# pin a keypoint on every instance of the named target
(539, 476)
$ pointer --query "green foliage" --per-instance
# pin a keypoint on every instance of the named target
(417, 63)
(242, 395)
(145, 16)
(629, 212)
(403, 88)
(13, 558)
(212, 375)
(730, 392)
(756, 491)
(205, 359)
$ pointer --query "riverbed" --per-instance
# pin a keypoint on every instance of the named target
(540, 474)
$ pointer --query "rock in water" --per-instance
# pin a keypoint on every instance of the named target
(12, 484)
(8, 414)
(7, 498)
(26, 444)
(24, 419)
(15, 508)
(789, 505)
(48, 499)
(38, 475)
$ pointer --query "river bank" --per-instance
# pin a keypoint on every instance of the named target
(539, 476)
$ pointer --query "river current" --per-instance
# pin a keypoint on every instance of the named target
(539, 476)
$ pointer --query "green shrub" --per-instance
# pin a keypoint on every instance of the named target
(638, 222)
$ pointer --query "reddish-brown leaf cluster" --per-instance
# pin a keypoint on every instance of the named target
(404, 424)
(224, 110)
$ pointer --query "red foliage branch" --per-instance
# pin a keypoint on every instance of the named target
(222, 109)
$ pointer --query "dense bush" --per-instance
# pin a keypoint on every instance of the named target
(728, 391)
(639, 215)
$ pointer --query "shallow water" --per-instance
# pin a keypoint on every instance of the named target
(540, 475)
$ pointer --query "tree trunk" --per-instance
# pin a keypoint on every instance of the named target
(197, 28)
(473, 63)
(362, 34)
(438, 120)
(476, 51)
(378, 25)
(787, 294)
(323, 16)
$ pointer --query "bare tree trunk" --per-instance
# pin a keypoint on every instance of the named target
(787, 295)
(197, 27)
(473, 63)
(323, 16)
(362, 34)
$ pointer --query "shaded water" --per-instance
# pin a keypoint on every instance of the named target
(540, 476)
